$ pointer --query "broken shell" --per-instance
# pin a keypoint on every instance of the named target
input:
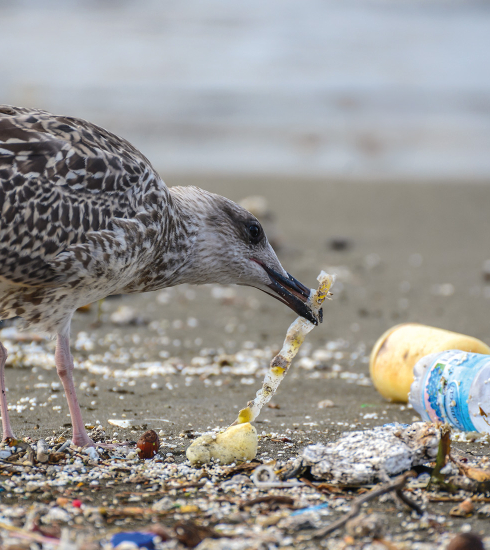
(148, 444)
(463, 509)
(42, 452)
(325, 404)
(237, 443)
(120, 423)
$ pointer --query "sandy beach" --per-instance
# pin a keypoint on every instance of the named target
(401, 252)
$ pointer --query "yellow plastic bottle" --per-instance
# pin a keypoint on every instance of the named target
(394, 355)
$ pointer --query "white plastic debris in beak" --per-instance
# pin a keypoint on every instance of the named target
(279, 366)
(239, 441)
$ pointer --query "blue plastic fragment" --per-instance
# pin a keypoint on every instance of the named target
(310, 509)
(142, 540)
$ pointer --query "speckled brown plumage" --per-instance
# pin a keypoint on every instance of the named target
(83, 215)
(80, 208)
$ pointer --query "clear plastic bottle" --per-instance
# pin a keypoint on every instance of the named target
(453, 386)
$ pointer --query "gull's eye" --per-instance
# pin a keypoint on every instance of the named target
(254, 232)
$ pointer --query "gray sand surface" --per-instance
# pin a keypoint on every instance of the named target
(415, 253)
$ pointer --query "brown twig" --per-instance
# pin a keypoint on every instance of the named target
(409, 502)
(355, 509)
(442, 457)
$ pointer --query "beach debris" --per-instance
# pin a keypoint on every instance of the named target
(237, 443)
(136, 538)
(442, 457)
(238, 479)
(120, 423)
(5, 453)
(264, 477)
(64, 446)
(325, 404)
(463, 509)
(148, 444)
(42, 451)
(396, 352)
(395, 486)
(452, 387)
(280, 364)
(231, 445)
(478, 475)
(92, 454)
(363, 457)
(366, 525)
(122, 492)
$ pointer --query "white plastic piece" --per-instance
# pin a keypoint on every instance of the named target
(453, 386)
(92, 453)
(279, 366)
(237, 443)
(363, 457)
(42, 451)
(271, 480)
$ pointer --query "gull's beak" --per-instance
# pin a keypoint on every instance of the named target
(291, 292)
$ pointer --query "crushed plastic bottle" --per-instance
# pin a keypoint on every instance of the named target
(454, 387)
(397, 351)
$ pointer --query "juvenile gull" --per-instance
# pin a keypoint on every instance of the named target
(83, 215)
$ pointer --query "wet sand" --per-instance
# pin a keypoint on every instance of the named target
(412, 253)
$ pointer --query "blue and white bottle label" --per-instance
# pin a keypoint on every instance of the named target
(447, 384)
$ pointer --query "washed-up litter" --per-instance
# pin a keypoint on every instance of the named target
(138, 539)
(203, 507)
(42, 451)
(395, 354)
(264, 477)
(121, 423)
(363, 457)
(317, 508)
(453, 387)
(280, 364)
(237, 443)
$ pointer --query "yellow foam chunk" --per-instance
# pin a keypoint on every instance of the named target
(236, 444)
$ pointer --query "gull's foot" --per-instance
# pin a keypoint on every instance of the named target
(82, 440)
(9, 439)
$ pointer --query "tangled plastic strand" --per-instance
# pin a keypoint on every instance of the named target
(279, 365)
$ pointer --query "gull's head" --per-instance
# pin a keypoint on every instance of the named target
(231, 247)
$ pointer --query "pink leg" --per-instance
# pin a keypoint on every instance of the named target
(7, 428)
(64, 366)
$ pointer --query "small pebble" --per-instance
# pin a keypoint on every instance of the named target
(148, 444)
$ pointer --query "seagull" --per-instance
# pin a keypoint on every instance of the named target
(83, 215)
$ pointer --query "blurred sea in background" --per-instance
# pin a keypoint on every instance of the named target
(351, 89)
